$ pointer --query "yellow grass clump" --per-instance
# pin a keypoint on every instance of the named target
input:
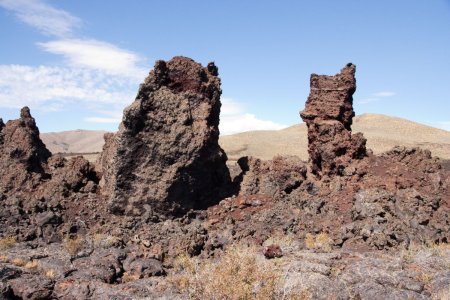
(18, 262)
(50, 273)
(33, 264)
(74, 245)
(321, 242)
(7, 242)
(237, 274)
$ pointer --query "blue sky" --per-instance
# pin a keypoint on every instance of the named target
(77, 64)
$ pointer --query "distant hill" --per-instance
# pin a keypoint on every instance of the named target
(74, 141)
(382, 133)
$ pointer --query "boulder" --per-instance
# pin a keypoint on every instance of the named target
(275, 177)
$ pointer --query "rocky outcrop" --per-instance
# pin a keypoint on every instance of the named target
(76, 175)
(165, 158)
(22, 154)
(271, 178)
(328, 115)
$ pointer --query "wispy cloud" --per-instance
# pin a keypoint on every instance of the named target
(234, 119)
(98, 76)
(97, 55)
(384, 94)
(43, 17)
(49, 88)
(375, 97)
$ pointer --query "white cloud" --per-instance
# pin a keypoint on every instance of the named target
(98, 76)
(384, 94)
(375, 97)
(43, 17)
(50, 88)
(234, 119)
(97, 55)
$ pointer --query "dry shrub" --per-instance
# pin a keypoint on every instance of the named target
(321, 242)
(50, 274)
(437, 249)
(237, 274)
(74, 245)
(127, 277)
(18, 262)
(105, 240)
(287, 242)
(33, 264)
(7, 242)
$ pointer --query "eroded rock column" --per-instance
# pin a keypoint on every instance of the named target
(328, 115)
(23, 155)
(165, 158)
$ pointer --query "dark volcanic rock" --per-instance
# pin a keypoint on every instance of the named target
(328, 115)
(70, 176)
(32, 287)
(22, 154)
(166, 158)
(280, 175)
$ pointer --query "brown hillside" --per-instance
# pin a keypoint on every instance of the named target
(74, 141)
(382, 133)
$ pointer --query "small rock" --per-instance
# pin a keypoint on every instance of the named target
(273, 251)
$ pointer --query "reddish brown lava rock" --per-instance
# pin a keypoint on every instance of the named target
(70, 176)
(165, 158)
(22, 154)
(106, 158)
(273, 251)
(275, 177)
(328, 115)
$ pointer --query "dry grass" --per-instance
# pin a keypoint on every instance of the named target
(105, 240)
(7, 242)
(50, 273)
(237, 274)
(438, 249)
(33, 264)
(18, 262)
(127, 277)
(320, 242)
(74, 245)
(287, 243)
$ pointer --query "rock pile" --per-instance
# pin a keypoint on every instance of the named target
(165, 159)
(328, 115)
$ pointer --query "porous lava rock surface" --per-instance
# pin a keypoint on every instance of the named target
(37, 189)
(328, 115)
(165, 159)
(22, 154)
